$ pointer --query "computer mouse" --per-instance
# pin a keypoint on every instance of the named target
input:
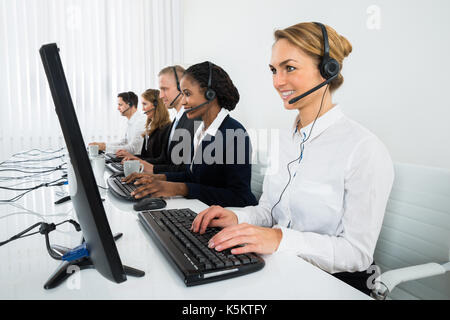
(149, 204)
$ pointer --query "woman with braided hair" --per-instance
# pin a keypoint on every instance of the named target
(220, 171)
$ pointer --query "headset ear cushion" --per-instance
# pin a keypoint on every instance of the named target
(210, 94)
(329, 68)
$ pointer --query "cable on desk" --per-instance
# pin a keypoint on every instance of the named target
(29, 160)
(28, 167)
(39, 215)
(34, 175)
(29, 152)
(27, 190)
(53, 169)
(36, 214)
(32, 153)
(45, 229)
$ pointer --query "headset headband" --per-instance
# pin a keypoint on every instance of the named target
(210, 75)
(129, 102)
(326, 46)
(210, 94)
(176, 78)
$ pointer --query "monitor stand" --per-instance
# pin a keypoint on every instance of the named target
(67, 268)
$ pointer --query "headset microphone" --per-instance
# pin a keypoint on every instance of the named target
(173, 101)
(328, 67)
(210, 94)
(128, 103)
(197, 107)
(147, 112)
(129, 107)
(294, 100)
(178, 86)
(123, 112)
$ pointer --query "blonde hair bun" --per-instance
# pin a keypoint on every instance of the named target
(308, 37)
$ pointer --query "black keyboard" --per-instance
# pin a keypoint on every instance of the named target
(115, 167)
(120, 189)
(188, 251)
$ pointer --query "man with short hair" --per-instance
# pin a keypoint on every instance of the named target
(182, 128)
(132, 140)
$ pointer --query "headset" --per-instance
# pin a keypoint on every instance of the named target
(128, 102)
(129, 99)
(210, 94)
(155, 105)
(329, 68)
(178, 85)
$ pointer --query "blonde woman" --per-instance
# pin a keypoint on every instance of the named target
(157, 129)
(327, 201)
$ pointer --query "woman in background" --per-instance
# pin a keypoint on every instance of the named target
(156, 133)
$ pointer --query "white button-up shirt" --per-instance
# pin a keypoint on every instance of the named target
(133, 140)
(332, 210)
(211, 130)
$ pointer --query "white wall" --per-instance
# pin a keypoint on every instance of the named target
(396, 78)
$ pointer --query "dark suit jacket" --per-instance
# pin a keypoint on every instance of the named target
(171, 162)
(155, 145)
(225, 181)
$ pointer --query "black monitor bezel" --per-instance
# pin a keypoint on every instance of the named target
(87, 201)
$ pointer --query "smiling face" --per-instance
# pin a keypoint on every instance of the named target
(147, 106)
(294, 72)
(193, 96)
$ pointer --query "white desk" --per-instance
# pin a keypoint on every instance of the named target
(25, 264)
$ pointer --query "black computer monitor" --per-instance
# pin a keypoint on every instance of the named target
(100, 242)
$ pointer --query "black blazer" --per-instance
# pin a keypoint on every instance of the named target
(154, 146)
(169, 164)
(224, 181)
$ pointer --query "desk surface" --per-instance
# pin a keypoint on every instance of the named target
(25, 264)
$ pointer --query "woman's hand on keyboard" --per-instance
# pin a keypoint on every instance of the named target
(122, 153)
(129, 158)
(133, 177)
(142, 178)
(250, 238)
(214, 216)
(158, 188)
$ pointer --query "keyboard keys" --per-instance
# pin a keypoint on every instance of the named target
(191, 253)
(228, 263)
(253, 258)
(125, 189)
(235, 260)
(244, 259)
(179, 222)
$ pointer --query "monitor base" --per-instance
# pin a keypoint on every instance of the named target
(67, 268)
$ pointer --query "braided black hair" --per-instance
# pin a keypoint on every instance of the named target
(227, 94)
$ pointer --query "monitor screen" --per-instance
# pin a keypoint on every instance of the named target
(84, 194)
